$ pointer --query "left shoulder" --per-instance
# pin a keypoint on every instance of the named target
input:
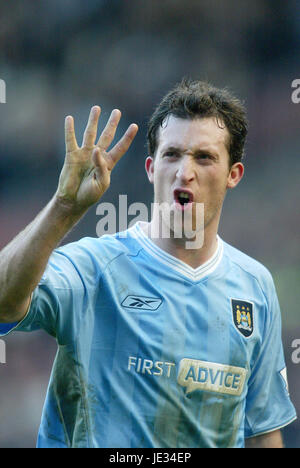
(249, 266)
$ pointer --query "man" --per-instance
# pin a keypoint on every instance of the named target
(159, 345)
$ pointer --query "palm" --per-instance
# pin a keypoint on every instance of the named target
(86, 172)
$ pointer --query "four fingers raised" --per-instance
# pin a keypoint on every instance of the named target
(106, 136)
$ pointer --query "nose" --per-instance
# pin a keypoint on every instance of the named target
(186, 170)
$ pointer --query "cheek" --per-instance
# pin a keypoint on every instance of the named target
(213, 189)
(162, 177)
(160, 185)
(214, 179)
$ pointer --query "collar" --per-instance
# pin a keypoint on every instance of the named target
(194, 274)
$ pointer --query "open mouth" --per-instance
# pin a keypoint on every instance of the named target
(183, 197)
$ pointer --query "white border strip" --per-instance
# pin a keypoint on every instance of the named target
(194, 274)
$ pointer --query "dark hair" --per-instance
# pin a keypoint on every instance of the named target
(192, 99)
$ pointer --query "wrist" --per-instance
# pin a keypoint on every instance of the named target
(68, 209)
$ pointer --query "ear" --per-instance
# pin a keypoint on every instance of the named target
(235, 174)
(149, 166)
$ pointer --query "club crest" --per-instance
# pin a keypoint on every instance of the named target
(242, 316)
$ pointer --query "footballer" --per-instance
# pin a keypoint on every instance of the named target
(159, 345)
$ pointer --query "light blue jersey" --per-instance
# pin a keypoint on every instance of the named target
(154, 353)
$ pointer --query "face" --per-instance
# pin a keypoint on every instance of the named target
(191, 165)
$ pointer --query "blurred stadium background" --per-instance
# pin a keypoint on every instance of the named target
(61, 57)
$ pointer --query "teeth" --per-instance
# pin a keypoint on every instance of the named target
(184, 195)
(183, 198)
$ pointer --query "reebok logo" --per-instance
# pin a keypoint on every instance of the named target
(142, 303)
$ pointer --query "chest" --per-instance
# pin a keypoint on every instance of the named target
(159, 319)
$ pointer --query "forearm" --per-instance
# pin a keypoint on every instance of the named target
(24, 259)
(269, 440)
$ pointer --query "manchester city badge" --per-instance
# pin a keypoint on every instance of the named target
(242, 316)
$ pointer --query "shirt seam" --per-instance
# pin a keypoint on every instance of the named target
(252, 275)
(273, 428)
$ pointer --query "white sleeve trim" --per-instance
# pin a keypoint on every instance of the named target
(272, 430)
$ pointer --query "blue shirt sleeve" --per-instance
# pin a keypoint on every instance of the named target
(5, 328)
(59, 301)
(268, 406)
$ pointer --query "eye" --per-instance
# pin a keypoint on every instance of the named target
(203, 156)
(171, 154)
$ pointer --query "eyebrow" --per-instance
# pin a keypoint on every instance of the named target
(173, 148)
(179, 148)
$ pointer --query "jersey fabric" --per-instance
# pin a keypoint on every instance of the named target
(154, 353)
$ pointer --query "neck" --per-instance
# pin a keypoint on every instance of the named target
(193, 257)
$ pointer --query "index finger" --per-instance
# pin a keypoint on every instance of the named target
(70, 138)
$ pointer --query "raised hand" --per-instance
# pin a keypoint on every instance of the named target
(86, 172)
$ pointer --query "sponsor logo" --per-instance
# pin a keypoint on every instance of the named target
(194, 374)
(140, 302)
(147, 366)
(211, 376)
(242, 312)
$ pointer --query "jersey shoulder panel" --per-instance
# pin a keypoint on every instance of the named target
(251, 267)
(94, 253)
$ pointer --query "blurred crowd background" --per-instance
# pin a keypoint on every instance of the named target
(60, 57)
